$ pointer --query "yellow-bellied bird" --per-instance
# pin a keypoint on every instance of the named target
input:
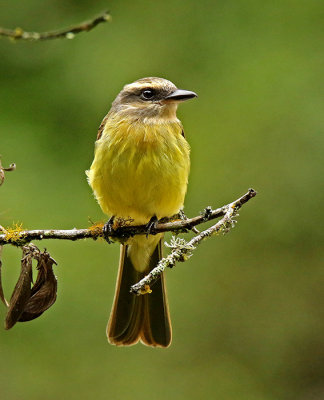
(140, 170)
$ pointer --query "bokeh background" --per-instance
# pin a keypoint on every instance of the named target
(248, 307)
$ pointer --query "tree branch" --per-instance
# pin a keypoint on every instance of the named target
(69, 33)
(182, 250)
(19, 237)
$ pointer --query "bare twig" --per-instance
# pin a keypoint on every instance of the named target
(182, 250)
(21, 237)
(69, 33)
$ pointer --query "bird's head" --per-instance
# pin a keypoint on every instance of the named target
(150, 98)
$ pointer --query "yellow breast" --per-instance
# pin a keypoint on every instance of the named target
(140, 169)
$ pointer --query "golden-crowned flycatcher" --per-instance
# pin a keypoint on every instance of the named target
(140, 170)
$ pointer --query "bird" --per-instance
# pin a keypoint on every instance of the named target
(140, 174)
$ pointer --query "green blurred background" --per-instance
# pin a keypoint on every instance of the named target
(248, 307)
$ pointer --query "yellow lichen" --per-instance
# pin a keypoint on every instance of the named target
(146, 289)
(18, 32)
(96, 229)
(13, 233)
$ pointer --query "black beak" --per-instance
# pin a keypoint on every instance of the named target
(181, 95)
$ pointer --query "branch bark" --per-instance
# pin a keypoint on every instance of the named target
(20, 237)
(68, 33)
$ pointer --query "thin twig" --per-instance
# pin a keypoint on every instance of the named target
(21, 237)
(182, 250)
(68, 33)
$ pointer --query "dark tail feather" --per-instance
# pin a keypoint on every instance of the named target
(144, 317)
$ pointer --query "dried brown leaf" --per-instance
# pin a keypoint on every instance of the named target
(22, 290)
(2, 297)
(43, 293)
(2, 175)
(11, 167)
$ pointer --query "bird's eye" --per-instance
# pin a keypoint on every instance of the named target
(148, 94)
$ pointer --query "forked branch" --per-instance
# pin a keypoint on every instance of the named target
(182, 250)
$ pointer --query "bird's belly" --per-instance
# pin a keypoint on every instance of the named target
(141, 180)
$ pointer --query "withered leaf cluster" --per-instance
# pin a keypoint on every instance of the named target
(11, 167)
(28, 301)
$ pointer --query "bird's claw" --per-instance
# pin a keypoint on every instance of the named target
(151, 225)
(108, 229)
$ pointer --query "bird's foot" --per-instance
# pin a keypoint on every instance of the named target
(108, 229)
(182, 215)
(151, 225)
